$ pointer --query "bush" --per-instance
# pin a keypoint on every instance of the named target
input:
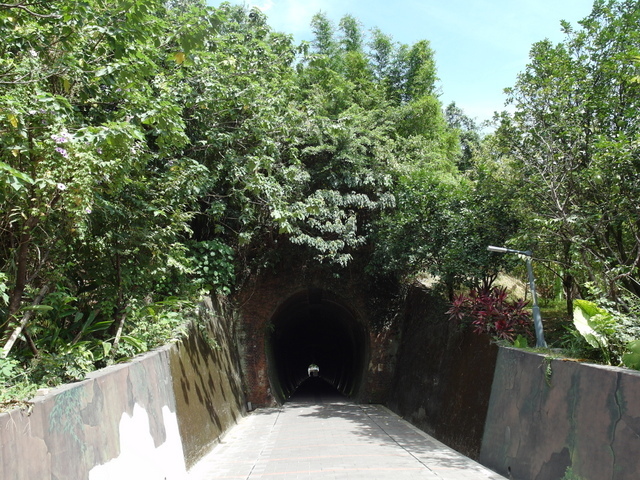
(606, 334)
(490, 311)
(14, 384)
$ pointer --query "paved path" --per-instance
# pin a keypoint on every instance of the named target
(316, 436)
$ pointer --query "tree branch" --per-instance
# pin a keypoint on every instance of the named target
(25, 319)
(30, 12)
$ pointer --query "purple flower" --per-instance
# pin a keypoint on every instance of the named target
(60, 139)
(87, 210)
(62, 152)
(61, 186)
(99, 150)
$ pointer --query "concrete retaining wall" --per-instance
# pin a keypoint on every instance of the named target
(121, 419)
(524, 415)
(548, 415)
(147, 419)
(207, 382)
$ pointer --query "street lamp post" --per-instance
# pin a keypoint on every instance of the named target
(537, 319)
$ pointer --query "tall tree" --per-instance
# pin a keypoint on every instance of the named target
(90, 144)
(574, 135)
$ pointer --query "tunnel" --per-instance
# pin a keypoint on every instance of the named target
(316, 327)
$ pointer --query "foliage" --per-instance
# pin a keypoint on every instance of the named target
(155, 324)
(570, 475)
(520, 342)
(212, 264)
(631, 358)
(607, 328)
(96, 195)
(572, 142)
(152, 151)
(14, 386)
(595, 325)
(491, 312)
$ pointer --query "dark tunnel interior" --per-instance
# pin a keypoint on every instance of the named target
(313, 328)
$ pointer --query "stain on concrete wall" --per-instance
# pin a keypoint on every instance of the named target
(140, 457)
(547, 415)
(79, 426)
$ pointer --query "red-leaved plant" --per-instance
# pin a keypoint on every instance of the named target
(490, 311)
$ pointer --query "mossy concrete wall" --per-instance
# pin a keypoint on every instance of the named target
(548, 415)
(121, 419)
(150, 418)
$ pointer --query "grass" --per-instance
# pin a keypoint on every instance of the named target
(555, 322)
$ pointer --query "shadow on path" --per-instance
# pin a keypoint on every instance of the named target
(320, 433)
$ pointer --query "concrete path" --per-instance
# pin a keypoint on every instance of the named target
(327, 437)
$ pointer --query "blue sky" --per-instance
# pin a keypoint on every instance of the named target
(480, 45)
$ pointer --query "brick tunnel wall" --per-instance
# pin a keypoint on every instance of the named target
(260, 300)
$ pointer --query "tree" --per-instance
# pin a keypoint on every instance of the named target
(469, 132)
(352, 37)
(90, 141)
(574, 136)
(153, 150)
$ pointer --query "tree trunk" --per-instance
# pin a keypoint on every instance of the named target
(25, 319)
(22, 261)
(567, 285)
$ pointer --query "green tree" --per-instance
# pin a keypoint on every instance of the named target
(94, 190)
(574, 138)
(469, 133)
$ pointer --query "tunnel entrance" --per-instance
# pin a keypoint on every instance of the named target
(314, 327)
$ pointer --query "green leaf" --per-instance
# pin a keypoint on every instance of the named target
(520, 342)
(589, 319)
(106, 349)
(136, 343)
(13, 120)
(631, 359)
(23, 177)
(38, 308)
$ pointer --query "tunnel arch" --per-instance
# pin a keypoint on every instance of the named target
(316, 326)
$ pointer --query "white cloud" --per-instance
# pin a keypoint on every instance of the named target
(294, 16)
(265, 7)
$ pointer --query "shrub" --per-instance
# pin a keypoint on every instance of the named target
(490, 311)
(607, 334)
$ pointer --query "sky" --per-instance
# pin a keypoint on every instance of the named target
(480, 45)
